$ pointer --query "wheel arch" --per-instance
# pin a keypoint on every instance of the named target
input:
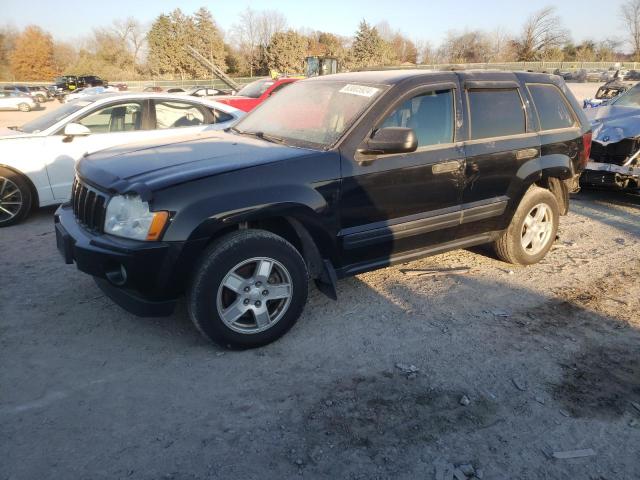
(35, 199)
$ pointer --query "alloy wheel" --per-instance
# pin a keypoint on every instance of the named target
(10, 200)
(537, 229)
(254, 295)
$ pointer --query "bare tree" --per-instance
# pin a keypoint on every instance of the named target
(541, 32)
(500, 46)
(253, 34)
(465, 47)
(630, 13)
(132, 35)
(270, 22)
(247, 36)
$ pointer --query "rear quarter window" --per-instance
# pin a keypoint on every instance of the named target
(552, 108)
(495, 113)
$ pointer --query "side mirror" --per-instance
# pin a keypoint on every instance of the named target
(391, 140)
(76, 130)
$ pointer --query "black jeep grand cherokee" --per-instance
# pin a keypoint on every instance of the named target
(332, 177)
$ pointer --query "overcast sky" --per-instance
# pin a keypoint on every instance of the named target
(419, 19)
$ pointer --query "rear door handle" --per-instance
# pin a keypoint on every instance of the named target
(527, 153)
(446, 167)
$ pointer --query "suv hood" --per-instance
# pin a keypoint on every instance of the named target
(153, 165)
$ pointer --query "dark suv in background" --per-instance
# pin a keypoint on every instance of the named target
(91, 81)
(332, 177)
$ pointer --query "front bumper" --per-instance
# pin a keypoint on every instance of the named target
(138, 276)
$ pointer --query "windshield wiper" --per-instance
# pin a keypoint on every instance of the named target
(261, 135)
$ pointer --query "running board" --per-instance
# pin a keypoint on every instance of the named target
(416, 254)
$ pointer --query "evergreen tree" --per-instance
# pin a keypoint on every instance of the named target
(286, 52)
(208, 41)
(368, 49)
(169, 37)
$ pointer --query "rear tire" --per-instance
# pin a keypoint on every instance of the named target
(15, 197)
(24, 107)
(532, 230)
(250, 288)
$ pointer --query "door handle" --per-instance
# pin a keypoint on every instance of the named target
(445, 167)
(527, 153)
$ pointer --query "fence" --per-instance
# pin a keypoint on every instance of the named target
(535, 66)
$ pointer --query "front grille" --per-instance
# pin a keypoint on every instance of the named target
(88, 206)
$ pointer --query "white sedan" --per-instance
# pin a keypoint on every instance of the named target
(37, 160)
(13, 101)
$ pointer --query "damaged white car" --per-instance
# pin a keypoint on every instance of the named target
(615, 151)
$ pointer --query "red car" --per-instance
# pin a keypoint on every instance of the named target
(253, 94)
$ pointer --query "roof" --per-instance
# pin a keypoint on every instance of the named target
(392, 77)
(103, 97)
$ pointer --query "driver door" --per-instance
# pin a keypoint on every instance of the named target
(398, 203)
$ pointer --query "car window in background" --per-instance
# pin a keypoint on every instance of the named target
(220, 116)
(122, 117)
(495, 113)
(172, 114)
(630, 98)
(552, 109)
(51, 118)
(255, 89)
(311, 114)
(430, 115)
(280, 87)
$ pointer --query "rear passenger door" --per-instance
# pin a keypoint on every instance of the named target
(501, 138)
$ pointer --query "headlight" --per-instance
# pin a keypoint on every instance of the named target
(129, 217)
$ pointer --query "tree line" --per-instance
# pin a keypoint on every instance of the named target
(261, 41)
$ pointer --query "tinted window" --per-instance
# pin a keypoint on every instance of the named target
(430, 115)
(170, 114)
(220, 117)
(495, 113)
(123, 117)
(255, 89)
(553, 111)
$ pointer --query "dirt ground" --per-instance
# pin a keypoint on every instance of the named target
(500, 368)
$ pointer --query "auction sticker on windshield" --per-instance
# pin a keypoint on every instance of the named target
(360, 90)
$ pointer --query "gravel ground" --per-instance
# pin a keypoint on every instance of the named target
(404, 377)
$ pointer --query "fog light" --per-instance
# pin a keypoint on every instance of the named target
(117, 276)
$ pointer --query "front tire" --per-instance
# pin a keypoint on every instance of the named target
(15, 197)
(249, 290)
(532, 230)
(24, 107)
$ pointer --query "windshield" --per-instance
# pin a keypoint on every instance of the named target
(51, 118)
(630, 98)
(255, 89)
(311, 114)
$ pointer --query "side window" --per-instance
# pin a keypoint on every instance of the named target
(495, 113)
(122, 117)
(430, 115)
(220, 116)
(171, 114)
(552, 109)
